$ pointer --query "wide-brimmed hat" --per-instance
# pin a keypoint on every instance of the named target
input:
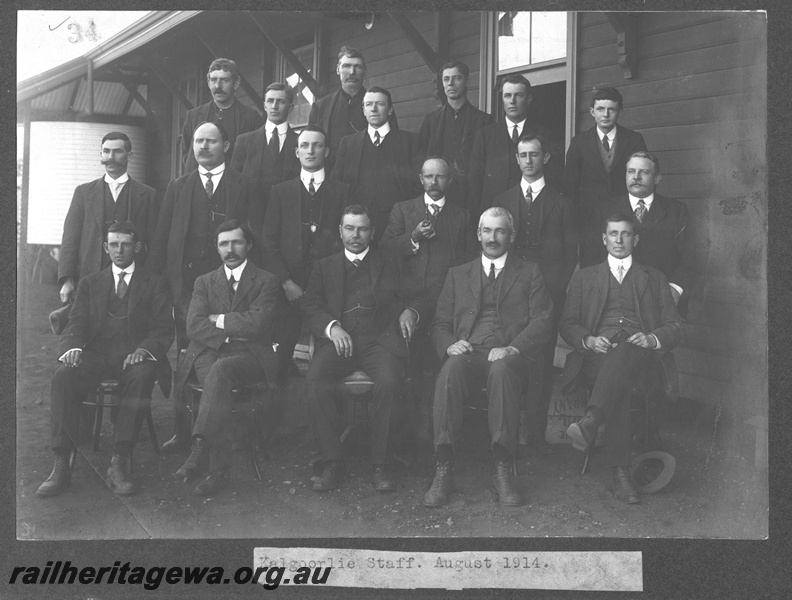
(59, 318)
(652, 471)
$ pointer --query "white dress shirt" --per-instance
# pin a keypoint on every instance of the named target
(318, 177)
(383, 131)
(237, 273)
(217, 174)
(499, 263)
(116, 185)
(536, 187)
(281, 129)
(611, 135)
(510, 127)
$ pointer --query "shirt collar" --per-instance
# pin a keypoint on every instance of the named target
(458, 111)
(282, 128)
(318, 176)
(611, 134)
(510, 125)
(129, 270)
(383, 131)
(122, 179)
(536, 187)
(351, 257)
(634, 201)
(428, 200)
(500, 262)
(614, 262)
(216, 171)
(237, 273)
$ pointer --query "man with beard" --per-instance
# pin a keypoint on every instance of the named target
(116, 197)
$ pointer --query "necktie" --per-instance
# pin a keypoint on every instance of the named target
(231, 282)
(640, 210)
(515, 137)
(274, 143)
(209, 185)
(311, 186)
(492, 272)
(620, 272)
(435, 208)
(114, 187)
(529, 195)
(606, 143)
(356, 262)
(122, 285)
(377, 138)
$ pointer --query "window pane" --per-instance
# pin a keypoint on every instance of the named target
(548, 36)
(303, 97)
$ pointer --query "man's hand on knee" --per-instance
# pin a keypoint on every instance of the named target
(498, 353)
(137, 357)
(460, 347)
(341, 340)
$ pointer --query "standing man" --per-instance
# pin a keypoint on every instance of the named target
(621, 333)
(450, 130)
(547, 235)
(223, 80)
(595, 167)
(95, 205)
(492, 320)
(120, 327)
(378, 163)
(267, 155)
(341, 113)
(229, 325)
(300, 228)
(184, 245)
(664, 224)
(356, 308)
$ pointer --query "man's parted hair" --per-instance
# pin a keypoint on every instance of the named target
(224, 64)
(498, 211)
(118, 135)
(223, 131)
(379, 90)
(607, 93)
(350, 52)
(648, 156)
(315, 128)
(622, 218)
(533, 134)
(232, 224)
(123, 227)
(279, 86)
(456, 64)
(355, 209)
(517, 80)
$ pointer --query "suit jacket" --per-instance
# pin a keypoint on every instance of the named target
(453, 244)
(83, 243)
(249, 315)
(523, 305)
(558, 237)
(656, 310)
(249, 120)
(431, 134)
(167, 248)
(663, 237)
(282, 231)
(253, 159)
(149, 321)
(323, 301)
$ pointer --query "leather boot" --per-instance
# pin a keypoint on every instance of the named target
(59, 479)
(118, 477)
(442, 486)
(623, 488)
(584, 432)
(503, 486)
(193, 464)
(328, 480)
(213, 483)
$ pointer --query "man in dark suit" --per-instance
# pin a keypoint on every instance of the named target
(626, 326)
(492, 320)
(95, 205)
(493, 167)
(357, 310)
(223, 80)
(183, 247)
(300, 228)
(229, 325)
(664, 224)
(341, 113)
(267, 155)
(595, 167)
(450, 130)
(379, 163)
(546, 234)
(120, 327)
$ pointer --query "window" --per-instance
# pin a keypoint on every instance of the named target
(303, 97)
(529, 38)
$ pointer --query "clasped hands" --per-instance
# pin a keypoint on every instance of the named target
(463, 347)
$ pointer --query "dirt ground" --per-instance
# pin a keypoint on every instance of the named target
(716, 491)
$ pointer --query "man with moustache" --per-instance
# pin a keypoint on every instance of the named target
(183, 247)
(379, 163)
(547, 235)
(267, 155)
(120, 327)
(223, 80)
(229, 325)
(341, 113)
(492, 319)
(450, 130)
(300, 228)
(96, 205)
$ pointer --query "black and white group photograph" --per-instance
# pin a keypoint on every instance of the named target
(391, 274)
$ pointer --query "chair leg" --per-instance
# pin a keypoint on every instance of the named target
(98, 414)
(73, 458)
(152, 431)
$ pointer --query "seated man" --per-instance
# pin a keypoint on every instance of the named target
(492, 319)
(627, 324)
(354, 306)
(229, 325)
(120, 327)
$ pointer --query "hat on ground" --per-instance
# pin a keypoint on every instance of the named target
(59, 318)
(652, 471)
